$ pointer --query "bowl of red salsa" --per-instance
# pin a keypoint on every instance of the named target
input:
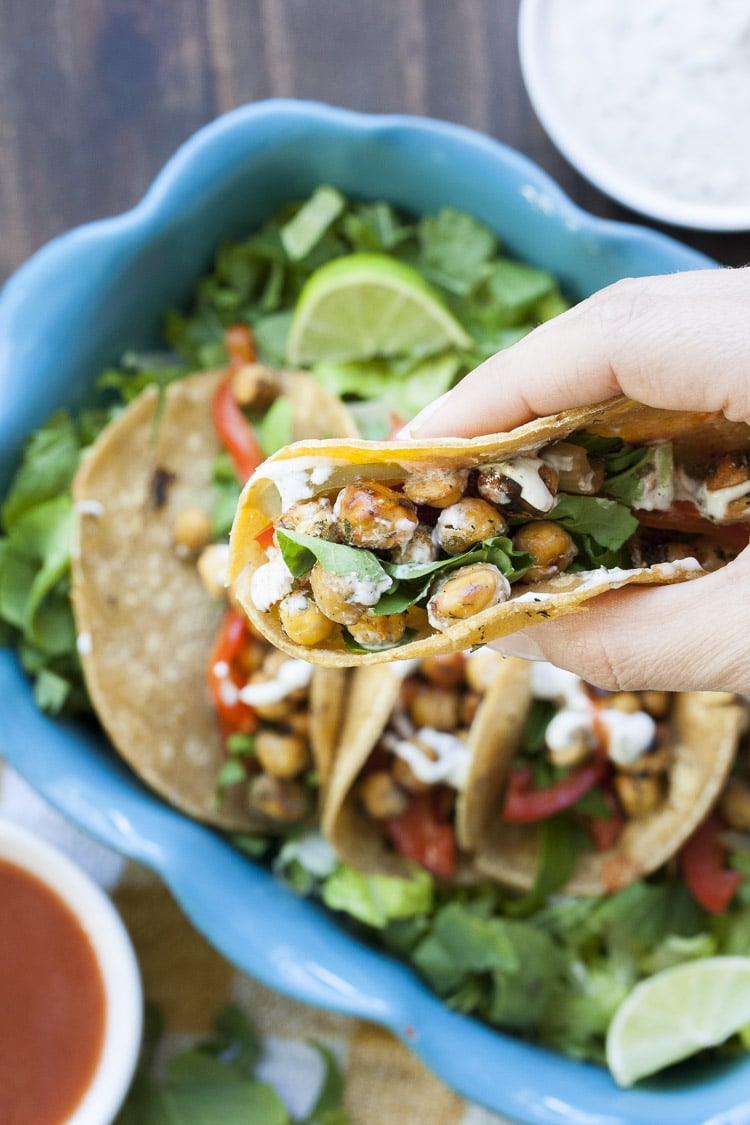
(70, 991)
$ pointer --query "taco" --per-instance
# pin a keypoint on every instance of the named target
(148, 627)
(406, 763)
(600, 788)
(396, 550)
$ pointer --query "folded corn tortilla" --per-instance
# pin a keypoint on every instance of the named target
(309, 469)
(706, 729)
(145, 622)
(359, 839)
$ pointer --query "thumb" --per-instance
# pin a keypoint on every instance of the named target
(688, 637)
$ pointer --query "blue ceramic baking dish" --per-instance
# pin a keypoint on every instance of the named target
(90, 294)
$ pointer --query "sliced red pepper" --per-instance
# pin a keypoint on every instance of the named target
(265, 539)
(419, 834)
(234, 715)
(605, 831)
(235, 432)
(702, 861)
(524, 805)
(683, 516)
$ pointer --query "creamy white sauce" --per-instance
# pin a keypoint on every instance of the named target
(657, 485)
(558, 685)
(525, 472)
(296, 479)
(312, 851)
(659, 90)
(84, 644)
(365, 591)
(570, 729)
(628, 734)
(290, 676)
(90, 508)
(270, 582)
(713, 504)
(452, 756)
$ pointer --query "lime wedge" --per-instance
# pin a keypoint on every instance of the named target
(676, 1013)
(363, 306)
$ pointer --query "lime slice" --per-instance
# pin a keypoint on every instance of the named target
(363, 306)
(676, 1013)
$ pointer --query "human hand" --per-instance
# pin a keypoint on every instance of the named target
(680, 342)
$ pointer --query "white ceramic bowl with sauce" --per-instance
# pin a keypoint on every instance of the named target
(113, 1064)
(649, 101)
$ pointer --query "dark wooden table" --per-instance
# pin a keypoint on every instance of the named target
(96, 94)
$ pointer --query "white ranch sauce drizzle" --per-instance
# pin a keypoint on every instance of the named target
(296, 479)
(290, 676)
(451, 765)
(660, 90)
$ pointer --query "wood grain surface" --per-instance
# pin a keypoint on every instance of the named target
(95, 95)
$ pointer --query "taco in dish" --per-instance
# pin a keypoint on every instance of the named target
(600, 788)
(399, 550)
(191, 699)
(416, 739)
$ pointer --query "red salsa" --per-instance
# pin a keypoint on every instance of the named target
(52, 1003)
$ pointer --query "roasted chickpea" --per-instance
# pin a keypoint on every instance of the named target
(193, 529)
(551, 545)
(437, 488)
(651, 762)
(446, 670)
(421, 548)
(626, 701)
(311, 517)
(469, 706)
(282, 754)
(728, 471)
(212, 569)
(710, 554)
(302, 620)
(371, 514)
(381, 796)
(434, 707)
(481, 669)
(379, 630)
(464, 592)
(656, 703)
(576, 472)
(278, 799)
(334, 596)
(405, 777)
(734, 804)
(638, 794)
(526, 485)
(468, 522)
(255, 386)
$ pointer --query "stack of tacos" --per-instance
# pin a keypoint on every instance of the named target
(406, 549)
(153, 634)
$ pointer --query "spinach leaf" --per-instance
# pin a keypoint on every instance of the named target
(609, 523)
(300, 553)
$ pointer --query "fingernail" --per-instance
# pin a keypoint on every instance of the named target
(520, 645)
(424, 415)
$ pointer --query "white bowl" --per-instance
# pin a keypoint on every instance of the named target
(117, 962)
(687, 98)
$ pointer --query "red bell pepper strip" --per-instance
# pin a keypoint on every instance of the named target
(419, 834)
(235, 432)
(702, 859)
(524, 805)
(225, 679)
(605, 831)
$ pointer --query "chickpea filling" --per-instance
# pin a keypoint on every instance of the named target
(599, 758)
(375, 561)
(270, 750)
(421, 760)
